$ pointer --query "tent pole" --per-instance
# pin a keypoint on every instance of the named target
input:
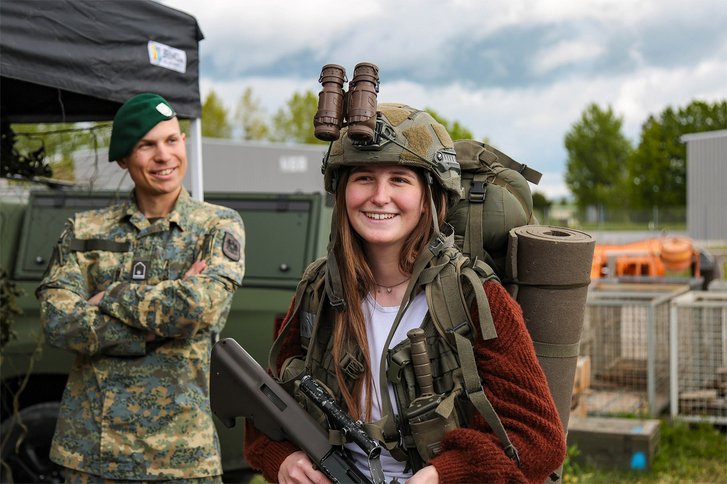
(195, 159)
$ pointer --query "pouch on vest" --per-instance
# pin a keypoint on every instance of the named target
(428, 411)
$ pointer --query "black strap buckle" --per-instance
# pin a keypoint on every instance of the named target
(477, 193)
(337, 303)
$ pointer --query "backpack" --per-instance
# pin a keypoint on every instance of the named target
(496, 198)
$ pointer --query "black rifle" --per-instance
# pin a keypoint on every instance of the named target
(240, 387)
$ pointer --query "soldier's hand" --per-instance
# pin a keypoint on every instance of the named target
(297, 468)
(96, 298)
(196, 269)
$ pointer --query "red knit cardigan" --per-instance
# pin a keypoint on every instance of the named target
(515, 385)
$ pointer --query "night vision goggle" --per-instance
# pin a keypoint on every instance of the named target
(355, 108)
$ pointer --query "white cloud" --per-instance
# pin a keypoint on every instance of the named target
(565, 53)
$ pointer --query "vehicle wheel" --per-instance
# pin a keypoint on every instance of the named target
(31, 462)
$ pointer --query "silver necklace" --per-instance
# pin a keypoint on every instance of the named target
(390, 288)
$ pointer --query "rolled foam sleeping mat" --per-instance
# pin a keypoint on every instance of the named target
(550, 269)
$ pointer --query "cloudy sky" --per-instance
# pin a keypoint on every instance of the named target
(519, 72)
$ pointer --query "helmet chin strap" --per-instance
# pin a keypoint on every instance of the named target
(439, 241)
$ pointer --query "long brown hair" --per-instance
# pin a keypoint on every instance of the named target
(357, 279)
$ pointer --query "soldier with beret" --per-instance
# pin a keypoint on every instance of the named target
(139, 292)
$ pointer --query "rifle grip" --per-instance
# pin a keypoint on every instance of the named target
(420, 361)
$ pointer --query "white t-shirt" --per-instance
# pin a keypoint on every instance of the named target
(379, 320)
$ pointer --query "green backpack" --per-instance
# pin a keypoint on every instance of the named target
(496, 199)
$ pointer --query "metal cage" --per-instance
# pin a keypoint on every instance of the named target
(698, 325)
(626, 334)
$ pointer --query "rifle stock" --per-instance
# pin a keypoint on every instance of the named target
(240, 387)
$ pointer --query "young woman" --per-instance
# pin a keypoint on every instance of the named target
(391, 199)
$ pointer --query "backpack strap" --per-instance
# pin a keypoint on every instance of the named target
(334, 286)
(308, 294)
(530, 174)
(476, 394)
(451, 284)
(473, 237)
(448, 296)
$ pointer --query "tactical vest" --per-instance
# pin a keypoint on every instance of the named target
(453, 285)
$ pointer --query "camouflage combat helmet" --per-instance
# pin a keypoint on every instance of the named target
(403, 136)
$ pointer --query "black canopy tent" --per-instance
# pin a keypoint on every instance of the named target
(79, 60)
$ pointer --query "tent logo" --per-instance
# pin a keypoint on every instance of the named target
(167, 57)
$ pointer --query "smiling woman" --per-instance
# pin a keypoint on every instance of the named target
(390, 258)
(384, 204)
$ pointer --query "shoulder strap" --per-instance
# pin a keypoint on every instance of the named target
(473, 237)
(452, 285)
(85, 245)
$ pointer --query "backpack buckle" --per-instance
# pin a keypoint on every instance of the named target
(351, 366)
(513, 454)
(477, 193)
(338, 304)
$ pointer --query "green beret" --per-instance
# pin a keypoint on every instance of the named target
(134, 119)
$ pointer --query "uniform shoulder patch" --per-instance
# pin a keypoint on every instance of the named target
(231, 247)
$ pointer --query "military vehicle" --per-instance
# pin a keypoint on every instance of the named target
(284, 232)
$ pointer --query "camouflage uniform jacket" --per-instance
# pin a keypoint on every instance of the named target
(132, 409)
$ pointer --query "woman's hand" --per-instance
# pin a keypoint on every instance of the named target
(297, 468)
(425, 475)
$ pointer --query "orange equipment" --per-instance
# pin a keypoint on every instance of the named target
(650, 257)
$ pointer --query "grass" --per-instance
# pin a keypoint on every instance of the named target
(686, 453)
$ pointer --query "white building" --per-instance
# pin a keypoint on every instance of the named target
(707, 185)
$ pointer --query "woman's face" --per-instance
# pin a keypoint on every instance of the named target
(384, 203)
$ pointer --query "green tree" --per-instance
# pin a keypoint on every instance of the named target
(250, 117)
(48, 149)
(541, 204)
(658, 167)
(540, 201)
(215, 122)
(454, 128)
(597, 154)
(295, 122)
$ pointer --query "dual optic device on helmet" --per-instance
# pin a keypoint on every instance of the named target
(363, 132)
(355, 108)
